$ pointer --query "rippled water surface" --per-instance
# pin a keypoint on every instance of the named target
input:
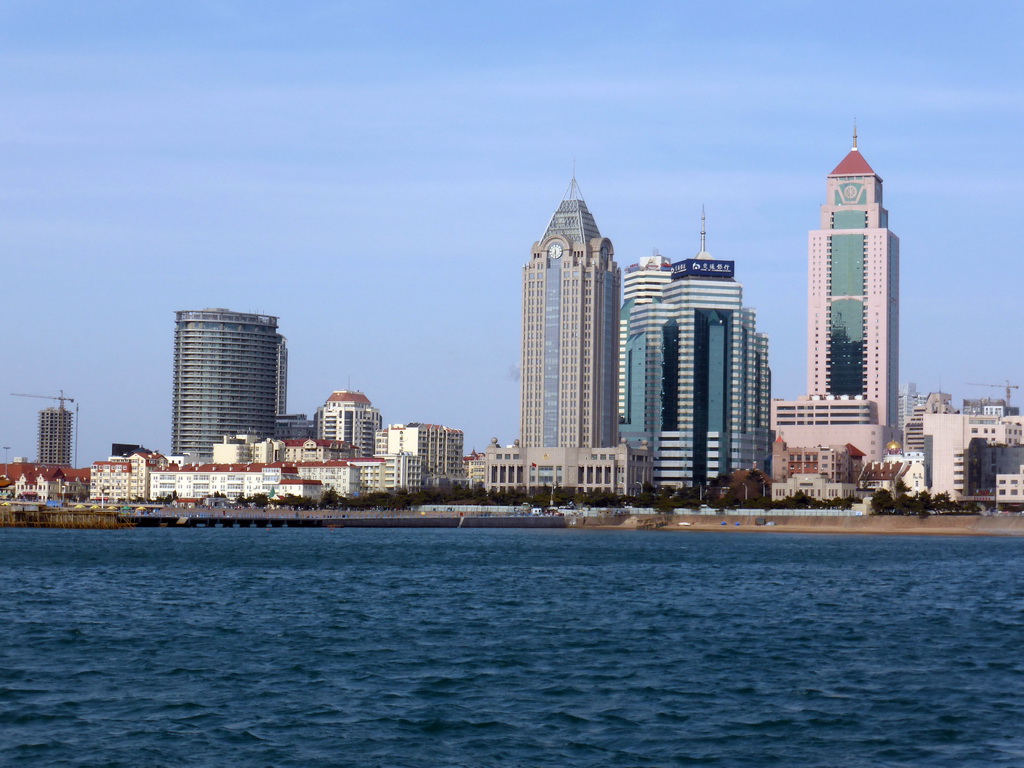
(304, 647)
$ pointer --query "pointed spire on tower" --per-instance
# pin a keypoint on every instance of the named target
(572, 220)
(854, 163)
(573, 192)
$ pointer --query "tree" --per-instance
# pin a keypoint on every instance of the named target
(882, 502)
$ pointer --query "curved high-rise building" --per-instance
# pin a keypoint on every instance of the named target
(230, 378)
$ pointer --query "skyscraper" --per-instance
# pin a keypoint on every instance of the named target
(642, 284)
(696, 375)
(852, 320)
(570, 355)
(853, 312)
(55, 431)
(230, 374)
(571, 288)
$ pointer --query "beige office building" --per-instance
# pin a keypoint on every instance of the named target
(570, 359)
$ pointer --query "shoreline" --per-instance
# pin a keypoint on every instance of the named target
(875, 525)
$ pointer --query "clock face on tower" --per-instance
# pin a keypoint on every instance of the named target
(850, 194)
(555, 250)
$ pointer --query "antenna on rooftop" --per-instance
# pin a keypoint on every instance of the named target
(703, 232)
(855, 133)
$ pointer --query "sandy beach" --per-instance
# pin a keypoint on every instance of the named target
(935, 525)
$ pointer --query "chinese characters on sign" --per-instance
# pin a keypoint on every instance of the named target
(703, 268)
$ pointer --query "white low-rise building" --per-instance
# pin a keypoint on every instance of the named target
(344, 477)
(1010, 488)
(198, 481)
(816, 486)
(348, 477)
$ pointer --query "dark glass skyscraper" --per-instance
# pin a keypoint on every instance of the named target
(697, 383)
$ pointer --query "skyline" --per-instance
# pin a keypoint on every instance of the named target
(375, 179)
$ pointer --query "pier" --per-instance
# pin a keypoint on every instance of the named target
(30, 515)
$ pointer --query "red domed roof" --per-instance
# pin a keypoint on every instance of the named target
(345, 396)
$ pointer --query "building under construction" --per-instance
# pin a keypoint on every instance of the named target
(55, 432)
(56, 428)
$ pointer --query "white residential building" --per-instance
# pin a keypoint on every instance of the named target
(342, 476)
(198, 481)
(299, 451)
(439, 448)
(125, 478)
(247, 449)
(394, 472)
(348, 416)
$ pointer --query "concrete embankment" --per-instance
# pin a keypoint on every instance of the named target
(229, 518)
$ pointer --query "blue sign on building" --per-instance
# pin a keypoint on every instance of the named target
(703, 268)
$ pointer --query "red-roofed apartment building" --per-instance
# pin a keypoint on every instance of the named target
(125, 478)
(839, 463)
(44, 482)
(348, 416)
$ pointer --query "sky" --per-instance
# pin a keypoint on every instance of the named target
(375, 174)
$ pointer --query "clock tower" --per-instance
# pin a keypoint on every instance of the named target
(853, 291)
(571, 289)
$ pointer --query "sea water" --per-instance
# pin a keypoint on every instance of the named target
(393, 647)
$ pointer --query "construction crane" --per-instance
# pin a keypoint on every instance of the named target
(1008, 386)
(61, 398)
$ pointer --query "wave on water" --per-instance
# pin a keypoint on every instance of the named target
(292, 647)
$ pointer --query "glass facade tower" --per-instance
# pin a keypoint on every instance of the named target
(696, 376)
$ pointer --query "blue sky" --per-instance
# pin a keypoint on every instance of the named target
(375, 174)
